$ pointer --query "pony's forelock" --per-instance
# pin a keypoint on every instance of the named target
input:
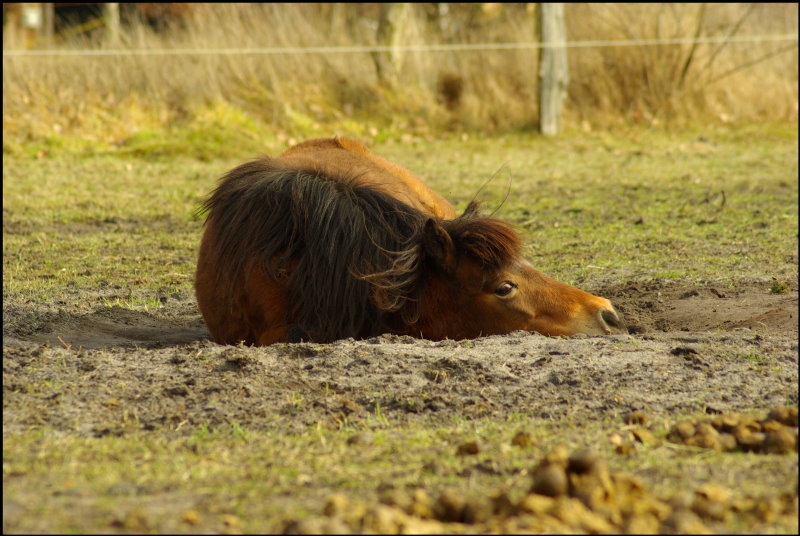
(489, 241)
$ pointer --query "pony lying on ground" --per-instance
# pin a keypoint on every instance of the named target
(328, 241)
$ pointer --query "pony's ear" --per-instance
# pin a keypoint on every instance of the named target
(438, 246)
(471, 211)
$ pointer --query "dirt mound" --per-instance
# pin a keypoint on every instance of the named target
(580, 378)
(691, 348)
(667, 306)
(647, 307)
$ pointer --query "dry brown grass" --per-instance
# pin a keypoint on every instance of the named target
(727, 81)
(111, 97)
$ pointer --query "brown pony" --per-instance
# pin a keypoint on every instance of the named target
(329, 241)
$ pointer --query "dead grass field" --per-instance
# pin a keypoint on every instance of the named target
(207, 101)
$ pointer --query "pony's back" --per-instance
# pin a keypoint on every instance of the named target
(348, 159)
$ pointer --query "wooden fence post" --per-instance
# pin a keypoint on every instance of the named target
(48, 23)
(553, 71)
(111, 20)
(392, 18)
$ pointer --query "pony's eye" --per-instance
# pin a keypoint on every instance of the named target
(505, 289)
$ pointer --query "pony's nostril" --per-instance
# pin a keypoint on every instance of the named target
(611, 318)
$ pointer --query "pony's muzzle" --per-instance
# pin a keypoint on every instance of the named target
(611, 321)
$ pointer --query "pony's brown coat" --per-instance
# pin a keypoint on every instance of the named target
(329, 241)
(347, 159)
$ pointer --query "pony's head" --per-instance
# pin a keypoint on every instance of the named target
(477, 284)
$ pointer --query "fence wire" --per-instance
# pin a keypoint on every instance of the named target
(408, 48)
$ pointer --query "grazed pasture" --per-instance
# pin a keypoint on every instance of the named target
(120, 416)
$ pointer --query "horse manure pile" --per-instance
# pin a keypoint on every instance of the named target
(775, 434)
(568, 494)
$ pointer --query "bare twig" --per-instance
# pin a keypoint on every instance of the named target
(731, 32)
(753, 62)
(690, 56)
(66, 345)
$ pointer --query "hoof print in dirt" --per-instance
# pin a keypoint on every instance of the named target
(683, 351)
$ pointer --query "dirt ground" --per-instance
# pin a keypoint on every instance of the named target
(691, 347)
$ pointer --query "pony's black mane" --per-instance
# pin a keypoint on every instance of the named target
(354, 254)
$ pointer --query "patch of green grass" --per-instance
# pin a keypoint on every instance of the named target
(215, 131)
(778, 288)
(119, 226)
(606, 206)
